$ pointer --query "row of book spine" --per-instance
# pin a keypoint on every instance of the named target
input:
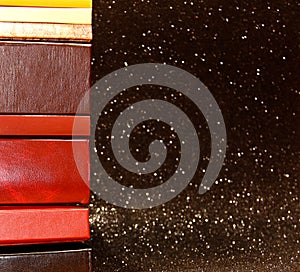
(45, 53)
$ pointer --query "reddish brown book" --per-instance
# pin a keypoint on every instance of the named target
(32, 225)
(43, 78)
(43, 125)
(44, 171)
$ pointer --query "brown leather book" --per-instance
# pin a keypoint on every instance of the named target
(43, 78)
(46, 258)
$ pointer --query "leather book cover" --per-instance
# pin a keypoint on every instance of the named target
(43, 224)
(46, 258)
(38, 171)
(44, 77)
(44, 125)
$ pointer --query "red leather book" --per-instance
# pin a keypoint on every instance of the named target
(32, 225)
(43, 171)
(43, 125)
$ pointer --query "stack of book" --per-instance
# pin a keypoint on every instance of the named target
(45, 54)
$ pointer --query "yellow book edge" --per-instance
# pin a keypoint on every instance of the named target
(48, 3)
(46, 15)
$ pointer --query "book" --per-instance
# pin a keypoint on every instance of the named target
(46, 15)
(44, 125)
(48, 3)
(45, 31)
(43, 224)
(68, 257)
(42, 171)
(44, 77)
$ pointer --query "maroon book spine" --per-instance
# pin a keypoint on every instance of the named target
(44, 77)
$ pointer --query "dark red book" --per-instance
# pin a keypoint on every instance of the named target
(32, 225)
(68, 257)
(44, 77)
(44, 171)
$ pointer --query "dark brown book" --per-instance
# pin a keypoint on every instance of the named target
(43, 78)
(46, 258)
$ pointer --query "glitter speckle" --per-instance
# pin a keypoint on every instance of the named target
(246, 54)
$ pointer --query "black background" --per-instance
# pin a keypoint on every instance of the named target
(246, 53)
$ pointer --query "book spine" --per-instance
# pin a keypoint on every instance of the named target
(48, 3)
(48, 258)
(44, 171)
(46, 15)
(34, 225)
(40, 31)
(41, 78)
(44, 125)
(27, 258)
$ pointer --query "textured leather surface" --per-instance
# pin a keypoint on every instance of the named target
(44, 77)
(28, 259)
(45, 224)
(43, 171)
(44, 125)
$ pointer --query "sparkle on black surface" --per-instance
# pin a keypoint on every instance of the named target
(246, 53)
